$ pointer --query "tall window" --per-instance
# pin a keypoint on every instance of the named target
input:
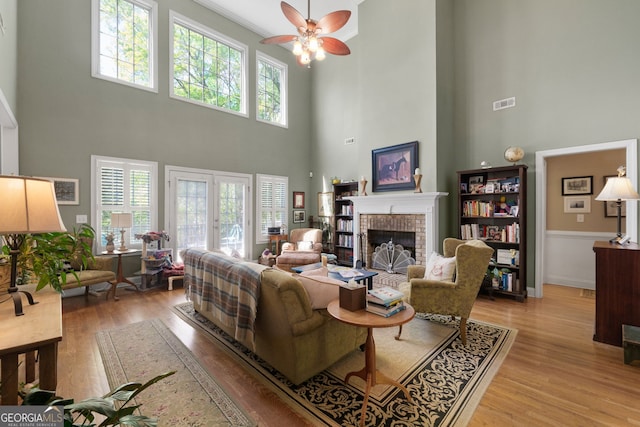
(271, 90)
(124, 42)
(123, 185)
(207, 68)
(272, 204)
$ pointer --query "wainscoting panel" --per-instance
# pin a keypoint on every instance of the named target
(569, 258)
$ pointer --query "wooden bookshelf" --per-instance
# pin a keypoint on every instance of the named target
(344, 235)
(492, 207)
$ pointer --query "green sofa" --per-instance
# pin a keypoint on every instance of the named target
(293, 338)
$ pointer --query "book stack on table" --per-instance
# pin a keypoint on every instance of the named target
(385, 301)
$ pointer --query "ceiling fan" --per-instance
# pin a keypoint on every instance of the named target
(308, 44)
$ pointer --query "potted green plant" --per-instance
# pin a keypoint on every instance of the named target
(46, 256)
(115, 408)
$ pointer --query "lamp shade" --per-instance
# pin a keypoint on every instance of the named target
(29, 206)
(121, 220)
(618, 188)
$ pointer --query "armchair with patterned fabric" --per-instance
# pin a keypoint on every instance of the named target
(452, 298)
(304, 247)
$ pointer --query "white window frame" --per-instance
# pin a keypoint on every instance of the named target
(284, 84)
(150, 5)
(176, 18)
(96, 208)
(260, 179)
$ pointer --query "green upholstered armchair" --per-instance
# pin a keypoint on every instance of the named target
(450, 298)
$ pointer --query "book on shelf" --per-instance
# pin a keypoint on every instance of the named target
(385, 311)
(384, 296)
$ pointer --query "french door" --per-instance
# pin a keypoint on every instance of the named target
(208, 209)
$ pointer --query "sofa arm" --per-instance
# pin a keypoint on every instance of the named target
(425, 283)
(415, 272)
(288, 246)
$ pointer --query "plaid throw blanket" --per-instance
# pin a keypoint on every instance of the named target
(226, 287)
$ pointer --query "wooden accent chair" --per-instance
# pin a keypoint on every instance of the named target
(450, 298)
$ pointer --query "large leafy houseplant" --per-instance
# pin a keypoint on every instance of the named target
(45, 257)
(115, 408)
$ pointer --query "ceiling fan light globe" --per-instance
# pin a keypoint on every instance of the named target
(297, 48)
(305, 58)
(320, 54)
(313, 44)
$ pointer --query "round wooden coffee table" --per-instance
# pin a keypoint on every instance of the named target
(369, 320)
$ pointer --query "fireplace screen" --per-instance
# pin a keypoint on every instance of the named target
(392, 258)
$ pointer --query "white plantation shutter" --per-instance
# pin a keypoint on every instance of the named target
(124, 185)
(272, 203)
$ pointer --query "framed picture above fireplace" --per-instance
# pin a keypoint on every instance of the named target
(393, 167)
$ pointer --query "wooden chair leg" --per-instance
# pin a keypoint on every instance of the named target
(463, 330)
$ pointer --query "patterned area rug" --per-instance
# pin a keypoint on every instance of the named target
(445, 379)
(190, 397)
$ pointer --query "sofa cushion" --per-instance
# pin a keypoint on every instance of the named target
(322, 290)
(440, 268)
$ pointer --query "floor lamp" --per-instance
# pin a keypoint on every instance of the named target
(29, 207)
(617, 189)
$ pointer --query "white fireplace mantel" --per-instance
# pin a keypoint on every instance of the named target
(398, 204)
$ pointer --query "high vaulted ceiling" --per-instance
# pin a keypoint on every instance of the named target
(265, 17)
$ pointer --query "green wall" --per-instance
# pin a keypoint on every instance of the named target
(9, 52)
(419, 70)
(571, 64)
(65, 115)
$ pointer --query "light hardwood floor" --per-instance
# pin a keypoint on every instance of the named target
(555, 374)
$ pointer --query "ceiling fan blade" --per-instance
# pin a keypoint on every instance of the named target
(334, 46)
(333, 21)
(278, 39)
(293, 15)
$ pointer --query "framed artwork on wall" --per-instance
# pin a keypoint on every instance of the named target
(577, 185)
(393, 167)
(299, 216)
(577, 204)
(325, 204)
(298, 199)
(66, 190)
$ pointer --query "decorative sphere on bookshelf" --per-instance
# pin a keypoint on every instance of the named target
(513, 154)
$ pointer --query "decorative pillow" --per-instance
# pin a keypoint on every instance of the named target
(440, 268)
(305, 246)
(322, 290)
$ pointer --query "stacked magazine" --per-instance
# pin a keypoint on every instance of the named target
(385, 301)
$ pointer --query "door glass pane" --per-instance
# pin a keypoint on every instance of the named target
(231, 214)
(191, 215)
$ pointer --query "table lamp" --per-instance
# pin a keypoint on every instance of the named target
(121, 220)
(29, 206)
(618, 189)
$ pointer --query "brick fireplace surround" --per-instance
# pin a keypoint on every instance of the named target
(417, 212)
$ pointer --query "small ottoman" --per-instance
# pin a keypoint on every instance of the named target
(289, 259)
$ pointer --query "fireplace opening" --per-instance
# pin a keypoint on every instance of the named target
(389, 250)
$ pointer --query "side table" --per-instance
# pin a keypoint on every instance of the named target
(277, 238)
(120, 278)
(363, 318)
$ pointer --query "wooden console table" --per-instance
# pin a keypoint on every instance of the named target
(617, 290)
(40, 329)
